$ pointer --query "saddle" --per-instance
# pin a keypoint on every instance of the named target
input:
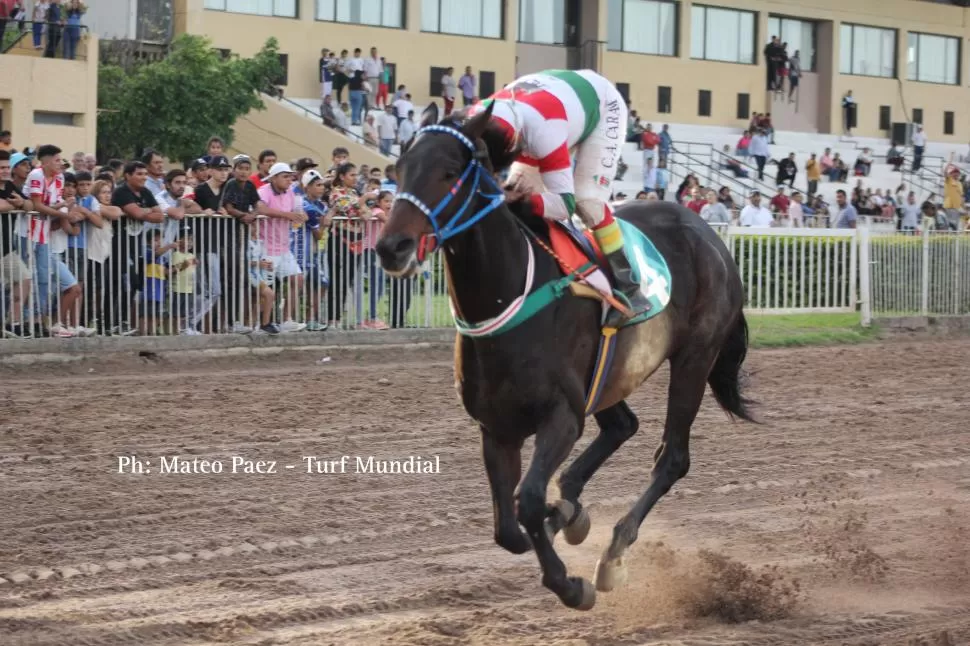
(578, 252)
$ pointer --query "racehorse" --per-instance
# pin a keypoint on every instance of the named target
(530, 378)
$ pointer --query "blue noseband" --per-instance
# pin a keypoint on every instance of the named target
(480, 178)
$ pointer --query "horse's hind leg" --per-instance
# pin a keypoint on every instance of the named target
(503, 463)
(688, 380)
(554, 440)
(617, 424)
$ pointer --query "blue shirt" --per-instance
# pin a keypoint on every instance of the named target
(302, 243)
(80, 241)
(847, 216)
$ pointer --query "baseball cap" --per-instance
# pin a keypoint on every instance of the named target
(277, 168)
(219, 161)
(18, 158)
(305, 163)
(199, 163)
(241, 158)
(310, 176)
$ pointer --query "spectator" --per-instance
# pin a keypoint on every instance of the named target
(340, 75)
(848, 215)
(666, 144)
(787, 170)
(260, 277)
(725, 198)
(760, 151)
(848, 111)
(379, 210)
(390, 179)
(755, 215)
(174, 205)
(54, 28)
(744, 143)
(198, 172)
(277, 202)
(910, 212)
(794, 74)
(383, 85)
(345, 243)
(39, 18)
(86, 206)
(467, 85)
(267, 159)
(138, 206)
(953, 197)
(649, 176)
(5, 142)
(919, 145)
(633, 129)
(895, 158)
(387, 129)
(449, 90)
(45, 187)
(215, 146)
(663, 178)
(813, 175)
(733, 165)
(14, 272)
(327, 64)
(153, 295)
(648, 143)
(184, 264)
(403, 108)
(714, 212)
(100, 240)
(373, 71)
(327, 112)
(72, 28)
(370, 132)
(156, 171)
(863, 163)
(305, 246)
(780, 202)
(696, 201)
(67, 284)
(407, 129)
(358, 96)
(796, 214)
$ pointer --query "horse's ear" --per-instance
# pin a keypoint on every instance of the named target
(475, 128)
(430, 115)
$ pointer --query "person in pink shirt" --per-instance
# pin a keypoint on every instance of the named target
(372, 231)
(280, 205)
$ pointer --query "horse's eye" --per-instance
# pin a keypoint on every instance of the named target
(450, 175)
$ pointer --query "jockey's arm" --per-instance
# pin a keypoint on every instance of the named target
(558, 202)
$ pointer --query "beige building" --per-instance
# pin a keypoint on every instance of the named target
(50, 100)
(679, 61)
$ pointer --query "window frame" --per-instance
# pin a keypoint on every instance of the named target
(518, 36)
(225, 9)
(503, 4)
(813, 67)
(853, 25)
(403, 17)
(677, 18)
(754, 37)
(959, 70)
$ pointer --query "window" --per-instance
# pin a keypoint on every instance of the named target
(463, 17)
(885, 117)
(381, 13)
(800, 36)
(744, 106)
(663, 99)
(285, 67)
(933, 59)
(722, 34)
(867, 51)
(278, 8)
(624, 90)
(948, 123)
(918, 115)
(486, 83)
(643, 27)
(542, 21)
(43, 118)
(703, 103)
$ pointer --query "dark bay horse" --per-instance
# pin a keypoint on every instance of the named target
(532, 378)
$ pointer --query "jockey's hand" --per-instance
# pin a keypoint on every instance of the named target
(514, 193)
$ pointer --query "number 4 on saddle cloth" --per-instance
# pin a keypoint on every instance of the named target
(577, 250)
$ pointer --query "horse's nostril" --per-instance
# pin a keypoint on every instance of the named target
(404, 245)
(395, 248)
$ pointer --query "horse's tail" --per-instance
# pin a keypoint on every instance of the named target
(725, 378)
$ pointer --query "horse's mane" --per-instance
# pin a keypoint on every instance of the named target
(499, 152)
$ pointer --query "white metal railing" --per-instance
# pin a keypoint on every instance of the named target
(142, 283)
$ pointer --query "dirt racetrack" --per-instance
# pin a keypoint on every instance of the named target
(842, 520)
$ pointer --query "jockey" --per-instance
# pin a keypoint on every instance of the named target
(552, 114)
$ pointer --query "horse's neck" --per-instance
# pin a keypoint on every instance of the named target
(487, 267)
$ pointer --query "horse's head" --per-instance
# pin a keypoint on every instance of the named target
(445, 186)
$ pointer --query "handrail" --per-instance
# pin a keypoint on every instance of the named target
(748, 183)
(741, 185)
(29, 32)
(316, 115)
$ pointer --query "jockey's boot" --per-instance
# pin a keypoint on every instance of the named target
(628, 287)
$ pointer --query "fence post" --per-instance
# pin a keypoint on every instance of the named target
(865, 269)
(925, 283)
(854, 244)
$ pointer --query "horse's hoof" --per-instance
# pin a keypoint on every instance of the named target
(610, 574)
(587, 596)
(577, 531)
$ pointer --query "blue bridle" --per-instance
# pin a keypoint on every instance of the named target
(480, 177)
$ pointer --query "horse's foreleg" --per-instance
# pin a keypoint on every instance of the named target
(503, 463)
(554, 441)
(688, 380)
(617, 424)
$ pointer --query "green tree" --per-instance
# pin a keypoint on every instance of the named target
(176, 104)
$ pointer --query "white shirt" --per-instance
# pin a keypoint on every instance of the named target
(919, 138)
(406, 132)
(755, 216)
(448, 87)
(354, 64)
(402, 107)
(373, 67)
(649, 177)
(386, 126)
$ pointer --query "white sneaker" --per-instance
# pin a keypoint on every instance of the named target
(190, 332)
(292, 326)
(61, 331)
(84, 331)
(239, 328)
(259, 332)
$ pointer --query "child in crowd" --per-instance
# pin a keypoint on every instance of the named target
(261, 277)
(380, 212)
(156, 275)
(184, 264)
(65, 282)
(307, 249)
